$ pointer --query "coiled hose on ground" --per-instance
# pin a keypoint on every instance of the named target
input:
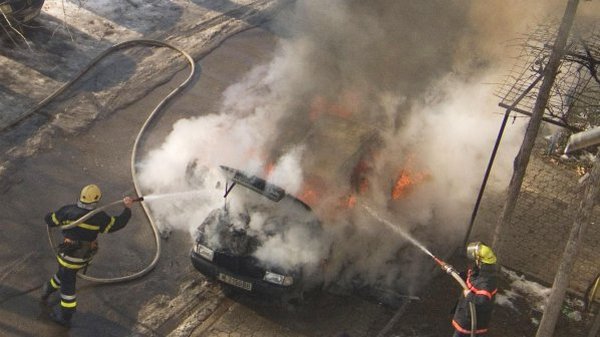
(151, 116)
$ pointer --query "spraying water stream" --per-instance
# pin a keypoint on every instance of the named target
(188, 194)
(446, 267)
(371, 212)
(398, 230)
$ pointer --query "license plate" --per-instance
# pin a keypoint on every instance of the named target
(235, 282)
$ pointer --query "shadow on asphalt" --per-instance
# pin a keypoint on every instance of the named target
(25, 306)
(17, 305)
(52, 38)
(114, 69)
(230, 9)
(14, 331)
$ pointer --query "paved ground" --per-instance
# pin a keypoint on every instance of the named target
(53, 177)
(430, 317)
(69, 34)
(534, 241)
(324, 316)
(157, 303)
(62, 42)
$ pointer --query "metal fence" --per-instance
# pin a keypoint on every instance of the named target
(534, 240)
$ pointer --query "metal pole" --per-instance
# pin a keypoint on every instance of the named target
(522, 159)
(509, 108)
(486, 176)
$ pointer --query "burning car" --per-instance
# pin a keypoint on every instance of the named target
(20, 11)
(263, 241)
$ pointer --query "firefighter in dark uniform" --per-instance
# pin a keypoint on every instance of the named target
(482, 283)
(79, 246)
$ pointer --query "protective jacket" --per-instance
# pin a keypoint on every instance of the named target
(482, 283)
(80, 241)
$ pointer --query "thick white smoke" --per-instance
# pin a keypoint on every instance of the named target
(360, 95)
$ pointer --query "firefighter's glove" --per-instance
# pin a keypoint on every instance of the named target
(128, 202)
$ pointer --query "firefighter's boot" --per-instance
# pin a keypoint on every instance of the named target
(47, 290)
(61, 316)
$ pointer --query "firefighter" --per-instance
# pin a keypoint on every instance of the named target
(482, 283)
(79, 246)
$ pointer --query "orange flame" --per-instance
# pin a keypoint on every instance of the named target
(317, 107)
(312, 190)
(405, 182)
(309, 196)
(340, 110)
(348, 202)
(268, 168)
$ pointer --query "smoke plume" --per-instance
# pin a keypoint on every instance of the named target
(376, 103)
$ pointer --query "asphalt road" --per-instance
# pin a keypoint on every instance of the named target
(101, 155)
(174, 300)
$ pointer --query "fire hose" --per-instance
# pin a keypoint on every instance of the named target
(449, 269)
(150, 117)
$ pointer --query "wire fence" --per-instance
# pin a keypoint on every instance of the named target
(574, 100)
(534, 240)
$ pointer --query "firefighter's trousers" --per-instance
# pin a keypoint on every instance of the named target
(65, 279)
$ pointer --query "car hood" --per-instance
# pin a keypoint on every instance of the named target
(266, 214)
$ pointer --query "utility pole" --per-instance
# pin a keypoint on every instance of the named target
(522, 159)
(561, 280)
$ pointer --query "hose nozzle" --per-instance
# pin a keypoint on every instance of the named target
(138, 199)
(449, 269)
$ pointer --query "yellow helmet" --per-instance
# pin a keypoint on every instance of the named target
(90, 194)
(481, 253)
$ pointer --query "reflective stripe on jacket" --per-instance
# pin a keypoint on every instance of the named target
(482, 283)
(78, 252)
